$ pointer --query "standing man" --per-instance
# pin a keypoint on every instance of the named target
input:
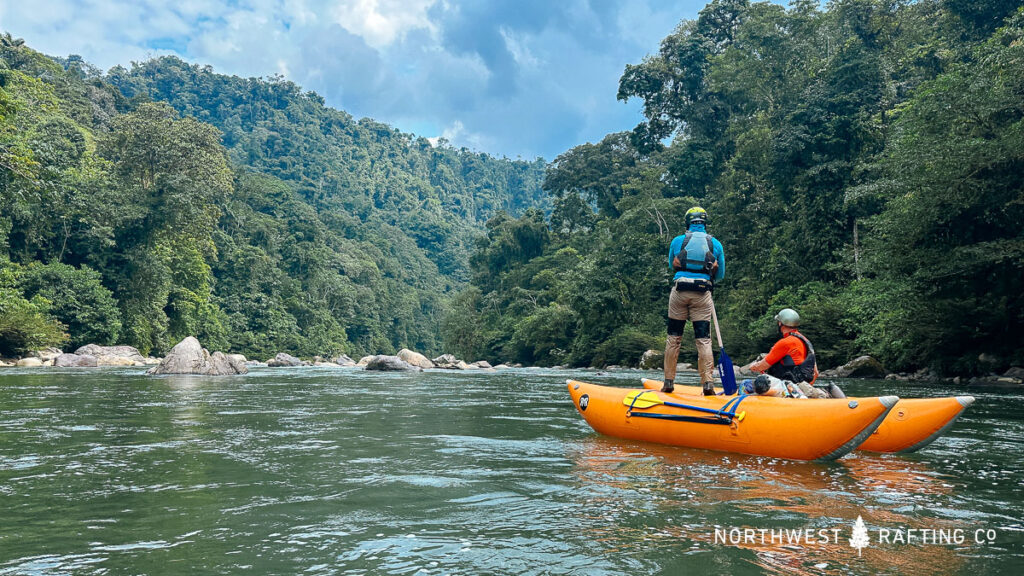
(698, 261)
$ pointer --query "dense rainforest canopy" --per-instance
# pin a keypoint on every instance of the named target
(862, 163)
(152, 203)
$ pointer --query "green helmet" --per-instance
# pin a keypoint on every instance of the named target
(788, 317)
(696, 214)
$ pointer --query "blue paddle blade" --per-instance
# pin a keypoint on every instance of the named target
(726, 373)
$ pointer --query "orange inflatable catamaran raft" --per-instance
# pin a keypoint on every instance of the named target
(759, 425)
(913, 424)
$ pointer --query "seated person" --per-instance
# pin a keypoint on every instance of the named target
(792, 357)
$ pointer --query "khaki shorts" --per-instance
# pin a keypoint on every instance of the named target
(692, 306)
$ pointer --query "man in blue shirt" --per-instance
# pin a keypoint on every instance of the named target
(698, 261)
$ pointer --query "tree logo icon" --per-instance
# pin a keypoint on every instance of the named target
(860, 537)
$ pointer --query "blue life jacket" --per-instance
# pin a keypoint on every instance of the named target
(697, 254)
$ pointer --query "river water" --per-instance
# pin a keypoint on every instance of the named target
(320, 471)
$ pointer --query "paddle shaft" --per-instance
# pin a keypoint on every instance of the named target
(718, 331)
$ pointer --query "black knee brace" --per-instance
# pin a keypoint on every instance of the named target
(701, 329)
(675, 327)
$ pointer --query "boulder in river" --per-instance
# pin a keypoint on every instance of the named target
(860, 367)
(344, 360)
(75, 361)
(652, 359)
(285, 360)
(449, 362)
(189, 357)
(415, 358)
(386, 363)
(29, 363)
(113, 355)
(483, 365)
(364, 361)
(46, 355)
(1016, 372)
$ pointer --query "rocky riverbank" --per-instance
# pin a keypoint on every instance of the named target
(88, 356)
(189, 357)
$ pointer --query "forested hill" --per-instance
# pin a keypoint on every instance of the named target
(861, 161)
(144, 205)
(438, 196)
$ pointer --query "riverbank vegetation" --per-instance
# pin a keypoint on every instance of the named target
(862, 163)
(164, 200)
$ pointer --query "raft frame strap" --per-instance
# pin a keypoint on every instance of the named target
(682, 418)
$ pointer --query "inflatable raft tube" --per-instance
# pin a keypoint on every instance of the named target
(764, 426)
(910, 426)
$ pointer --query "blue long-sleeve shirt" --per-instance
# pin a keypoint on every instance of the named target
(676, 246)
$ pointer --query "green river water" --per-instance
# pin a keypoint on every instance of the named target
(319, 471)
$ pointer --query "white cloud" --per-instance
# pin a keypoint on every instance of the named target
(517, 78)
(381, 22)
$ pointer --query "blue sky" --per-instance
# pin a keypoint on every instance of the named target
(514, 77)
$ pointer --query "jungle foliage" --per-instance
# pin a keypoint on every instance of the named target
(147, 204)
(862, 162)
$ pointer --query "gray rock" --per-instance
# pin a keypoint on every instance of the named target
(450, 362)
(446, 361)
(113, 355)
(652, 359)
(860, 367)
(364, 360)
(285, 360)
(415, 358)
(994, 380)
(29, 363)
(75, 361)
(1015, 372)
(344, 360)
(386, 363)
(97, 350)
(47, 354)
(238, 362)
(989, 359)
(189, 357)
(483, 364)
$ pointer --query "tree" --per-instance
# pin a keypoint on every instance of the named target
(78, 300)
(25, 324)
